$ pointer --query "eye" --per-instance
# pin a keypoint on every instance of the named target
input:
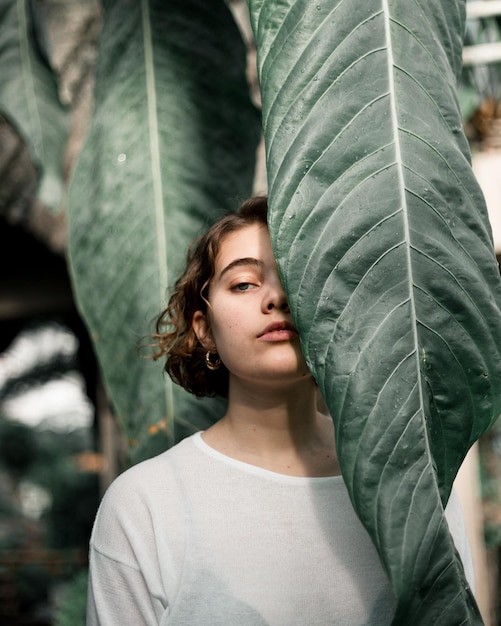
(243, 287)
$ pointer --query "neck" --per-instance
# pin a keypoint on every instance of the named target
(277, 430)
(271, 420)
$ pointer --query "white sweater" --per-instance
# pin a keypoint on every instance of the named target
(195, 538)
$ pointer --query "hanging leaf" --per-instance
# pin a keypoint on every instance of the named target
(29, 98)
(385, 249)
(171, 147)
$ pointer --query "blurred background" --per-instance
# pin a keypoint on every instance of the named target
(60, 445)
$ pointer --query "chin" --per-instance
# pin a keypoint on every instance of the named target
(290, 374)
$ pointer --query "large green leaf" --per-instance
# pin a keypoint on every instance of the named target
(171, 147)
(383, 242)
(29, 98)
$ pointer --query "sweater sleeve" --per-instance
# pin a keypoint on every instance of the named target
(125, 584)
(117, 594)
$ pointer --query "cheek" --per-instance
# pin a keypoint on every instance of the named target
(225, 330)
(229, 330)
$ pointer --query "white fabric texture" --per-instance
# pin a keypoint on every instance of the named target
(194, 538)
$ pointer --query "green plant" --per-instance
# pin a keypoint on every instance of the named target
(379, 228)
(71, 608)
(29, 96)
(18, 447)
(398, 302)
(185, 142)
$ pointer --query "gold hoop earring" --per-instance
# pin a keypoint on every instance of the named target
(212, 365)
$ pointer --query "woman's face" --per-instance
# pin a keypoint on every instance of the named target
(250, 323)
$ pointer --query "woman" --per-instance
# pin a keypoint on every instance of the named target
(249, 522)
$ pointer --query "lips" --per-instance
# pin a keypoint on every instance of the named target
(278, 331)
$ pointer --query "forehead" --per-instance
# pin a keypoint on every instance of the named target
(251, 241)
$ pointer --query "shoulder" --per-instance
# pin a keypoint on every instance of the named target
(142, 504)
(152, 476)
(144, 492)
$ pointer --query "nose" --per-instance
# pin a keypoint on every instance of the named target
(276, 298)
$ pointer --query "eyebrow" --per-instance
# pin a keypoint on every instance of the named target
(239, 263)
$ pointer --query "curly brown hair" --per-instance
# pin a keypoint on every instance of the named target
(175, 338)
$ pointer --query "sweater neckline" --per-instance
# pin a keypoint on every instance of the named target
(260, 471)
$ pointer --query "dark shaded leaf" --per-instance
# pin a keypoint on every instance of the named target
(29, 98)
(383, 241)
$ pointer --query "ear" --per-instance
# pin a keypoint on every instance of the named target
(200, 326)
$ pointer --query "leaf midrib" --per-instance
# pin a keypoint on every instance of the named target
(156, 175)
(405, 208)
